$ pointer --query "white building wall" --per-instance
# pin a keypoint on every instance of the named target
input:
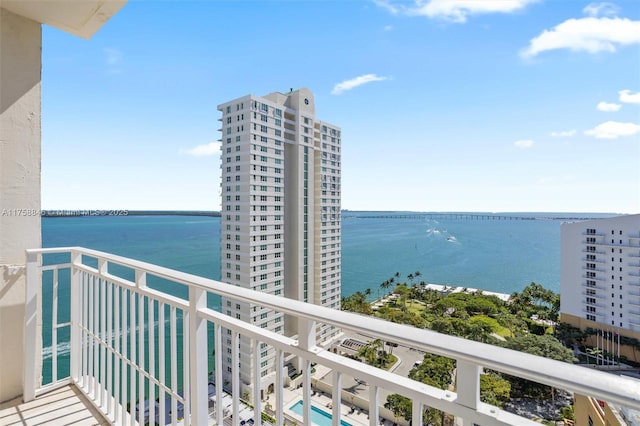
(270, 222)
(20, 66)
(600, 271)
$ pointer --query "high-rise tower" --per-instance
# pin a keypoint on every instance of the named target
(600, 281)
(280, 217)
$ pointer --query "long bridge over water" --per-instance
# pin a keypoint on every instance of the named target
(455, 216)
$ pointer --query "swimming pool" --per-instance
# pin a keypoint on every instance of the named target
(318, 417)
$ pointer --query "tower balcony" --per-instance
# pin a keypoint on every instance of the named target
(597, 295)
(109, 328)
(634, 302)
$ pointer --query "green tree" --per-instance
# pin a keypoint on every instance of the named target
(385, 286)
(569, 334)
(367, 292)
(402, 317)
(494, 389)
(357, 302)
(450, 306)
(567, 412)
(400, 406)
(546, 346)
(477, 330)
(369, 353)
(404, 293)
(594, 352)
(481, 305)
(434, 370)
(535, 299)
(374, 354)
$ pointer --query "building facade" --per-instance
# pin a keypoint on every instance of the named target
(592, 411)
(280, 215)
(600, 279)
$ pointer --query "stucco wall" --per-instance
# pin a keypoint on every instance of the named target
(20, 68)
(583, 323)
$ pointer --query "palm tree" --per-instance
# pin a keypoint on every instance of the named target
(385, 285)
(593, 352)
(404, 292)
(367, 292)
(369, 353)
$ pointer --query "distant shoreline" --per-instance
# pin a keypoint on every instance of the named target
(353, 214)
(92, 213)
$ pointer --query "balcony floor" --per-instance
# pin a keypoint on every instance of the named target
(64, 406)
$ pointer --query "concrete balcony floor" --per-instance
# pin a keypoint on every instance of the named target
(63, 406)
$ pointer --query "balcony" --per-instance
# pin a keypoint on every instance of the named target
(597, 295)
(598, 314)
(126, 340)
(587, 268)
(586, 277)
(594, 251)
(584, 259)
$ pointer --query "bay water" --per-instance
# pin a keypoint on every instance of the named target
(493, 255)
(471, 250)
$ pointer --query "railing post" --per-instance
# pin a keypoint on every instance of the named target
(416, 413)
(257, 403)
(75, 353)
(336, 397)
(32, 350)
(307, 341)
(279, 390)
(374, 410)
(468, 385)
(198, 352)
(217, 347)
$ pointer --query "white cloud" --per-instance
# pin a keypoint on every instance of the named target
(113, 59)
(388, 27)
(600, 9)
(563, 134)
(590, 34)
(608, 107)
(205, 150)
(388, 6)
(355, 82)
(454, 10)
(613, 130)
(524, 143)
(628, 97)
(113, 56)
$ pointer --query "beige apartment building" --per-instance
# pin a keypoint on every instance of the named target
(280, 218)
(600, 280)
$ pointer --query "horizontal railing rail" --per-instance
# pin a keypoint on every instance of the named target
(120, 358)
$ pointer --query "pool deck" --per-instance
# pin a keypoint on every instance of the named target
(324, 401)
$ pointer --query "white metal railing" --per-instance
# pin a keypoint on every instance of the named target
(120, 321)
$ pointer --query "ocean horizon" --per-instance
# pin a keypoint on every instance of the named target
(468, 249)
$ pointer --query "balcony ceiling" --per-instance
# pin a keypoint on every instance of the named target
(80, 18)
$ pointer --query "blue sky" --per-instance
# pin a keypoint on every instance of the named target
(445, 105)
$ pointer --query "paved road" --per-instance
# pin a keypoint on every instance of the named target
(406, 356)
